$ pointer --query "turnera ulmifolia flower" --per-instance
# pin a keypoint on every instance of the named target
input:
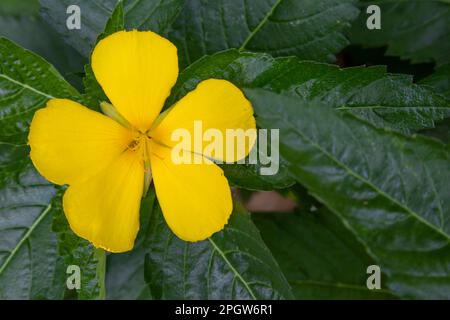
(108, 159)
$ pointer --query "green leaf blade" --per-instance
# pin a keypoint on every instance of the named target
(320, 257)
(396, 203)
(233, 264)
(33, 33)
(29, 264)
(26, 83)
(278, 27)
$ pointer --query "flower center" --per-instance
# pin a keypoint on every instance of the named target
(140, 144)
(133, 145)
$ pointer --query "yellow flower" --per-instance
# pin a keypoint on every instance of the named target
(104, 161)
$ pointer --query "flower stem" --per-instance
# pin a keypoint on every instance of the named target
(100, 255)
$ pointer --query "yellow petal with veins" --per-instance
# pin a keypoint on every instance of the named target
(105, 208)
(218, 105)
(137, 70)
(195, 198)
(70, 142)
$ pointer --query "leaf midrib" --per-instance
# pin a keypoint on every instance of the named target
(233, 269)
(260, 25)
(25, 237)
(24, 85)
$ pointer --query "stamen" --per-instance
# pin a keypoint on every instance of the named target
(133, 144)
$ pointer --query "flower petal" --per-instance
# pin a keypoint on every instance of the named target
(137, 71)
(195, 198)
(105, 208)
(218, 104)
(70, 142)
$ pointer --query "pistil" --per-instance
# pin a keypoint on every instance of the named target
(141, 144)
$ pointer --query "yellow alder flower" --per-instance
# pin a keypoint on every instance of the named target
(104, 161)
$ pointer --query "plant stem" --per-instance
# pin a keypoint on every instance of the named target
(100, 255)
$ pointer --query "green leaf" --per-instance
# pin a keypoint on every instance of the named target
(417, 30)
(155, 15)
(25, 27)
(390, 190)
(116, 22)
(310, 29)
(125, 276)
(76, 251)
(29, 265)
(232, 264)
(319, 256)
(26, 83)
